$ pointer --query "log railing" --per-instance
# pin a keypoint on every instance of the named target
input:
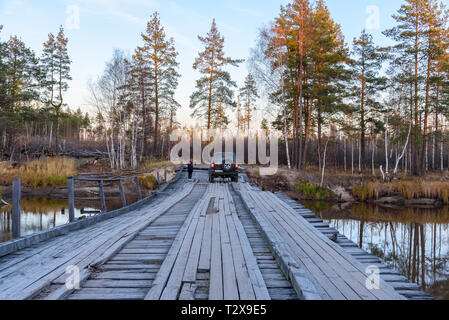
(16, 196)
(100, 181)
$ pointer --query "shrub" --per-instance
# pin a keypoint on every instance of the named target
(149, 182)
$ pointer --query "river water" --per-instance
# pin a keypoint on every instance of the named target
(38, 214)
(414, 241)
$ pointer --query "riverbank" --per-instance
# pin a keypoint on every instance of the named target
(344, 187)
(48, 178)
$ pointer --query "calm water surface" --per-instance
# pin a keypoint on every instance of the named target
(38, 214)
(414, 241)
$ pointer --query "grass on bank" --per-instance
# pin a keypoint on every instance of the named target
(312, 191)
(409, 190)
(150, 165)
(39, 173)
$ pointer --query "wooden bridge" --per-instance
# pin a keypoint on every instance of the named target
(198, 241)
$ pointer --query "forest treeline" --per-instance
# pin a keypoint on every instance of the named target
(356, 106)
(364, 105)
(33, 115)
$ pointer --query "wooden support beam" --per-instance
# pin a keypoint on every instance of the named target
(122, 193)
(71, 191)
(103, 200)
(16, 208)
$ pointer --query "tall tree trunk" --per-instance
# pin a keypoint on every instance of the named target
(362, 121)
(416, 162)
(426, 108)
(156, 91)
(209, 110)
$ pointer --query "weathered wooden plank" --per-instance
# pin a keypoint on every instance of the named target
(230, 289)
(110, 294)
(174, 283)
(216, 270)
(125, 275)
(165, 271)
(191, 268)
(121, 283)
(206, 246)
(188, 292)
(249, 263)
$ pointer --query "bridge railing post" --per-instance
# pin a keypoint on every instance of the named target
(102, 197)
(16, 208)
(122, 192)
(139, 191)
(71, 191)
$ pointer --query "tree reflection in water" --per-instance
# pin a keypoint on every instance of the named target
(414, 241)
(38, 214)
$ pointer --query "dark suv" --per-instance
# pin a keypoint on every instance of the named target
(224, 165)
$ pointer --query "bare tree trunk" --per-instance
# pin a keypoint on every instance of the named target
(442, 146)
(387, 164)
(345, 160)
(373, 170)
(352, 154)
(403, 151)
(284, 107)
(51, 135)
(360, 157)
(324, 163)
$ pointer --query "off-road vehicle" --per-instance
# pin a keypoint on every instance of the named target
(224, 165)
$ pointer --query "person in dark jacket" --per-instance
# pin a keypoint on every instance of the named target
(190, 169)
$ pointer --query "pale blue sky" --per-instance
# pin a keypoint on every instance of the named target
(108, 24)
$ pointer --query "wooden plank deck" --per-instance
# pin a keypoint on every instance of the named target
(136, 265)
(201, 241)
(26, 273)
(212, 241)
(400, 283)
(335, 274)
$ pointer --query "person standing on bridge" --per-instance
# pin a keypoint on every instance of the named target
(190, 169)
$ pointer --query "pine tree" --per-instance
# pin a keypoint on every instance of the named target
(300, 28)
(435, 21)
(367, 83)
(328, 58)
(420, 29)
(55, 68)
(160, 53)
(248, 93)
(19, 75)
(213, 89)
(265, 127)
